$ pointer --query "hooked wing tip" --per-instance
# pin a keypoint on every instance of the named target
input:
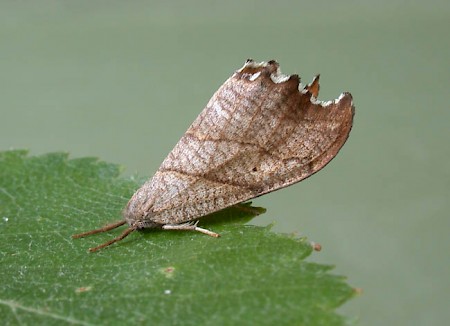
(346, 100)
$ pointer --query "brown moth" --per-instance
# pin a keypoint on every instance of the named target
(261, 131)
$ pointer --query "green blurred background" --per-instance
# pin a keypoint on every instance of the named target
(122, 80)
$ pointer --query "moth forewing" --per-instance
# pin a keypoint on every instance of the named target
(261, 131)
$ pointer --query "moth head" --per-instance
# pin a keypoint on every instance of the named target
(137, 214)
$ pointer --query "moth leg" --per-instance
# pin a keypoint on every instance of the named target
(190, 226)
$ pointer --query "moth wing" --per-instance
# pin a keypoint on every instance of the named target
(258, 133)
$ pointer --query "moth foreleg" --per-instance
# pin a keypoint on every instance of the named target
(190, 226)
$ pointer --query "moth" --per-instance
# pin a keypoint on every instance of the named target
(261, 131)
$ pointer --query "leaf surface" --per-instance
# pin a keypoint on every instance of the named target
(249, 276)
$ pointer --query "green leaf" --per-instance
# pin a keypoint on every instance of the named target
(250, 275)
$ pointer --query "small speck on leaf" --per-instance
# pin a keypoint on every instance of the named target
(168, 271)
(83, 289)
(316, 246)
